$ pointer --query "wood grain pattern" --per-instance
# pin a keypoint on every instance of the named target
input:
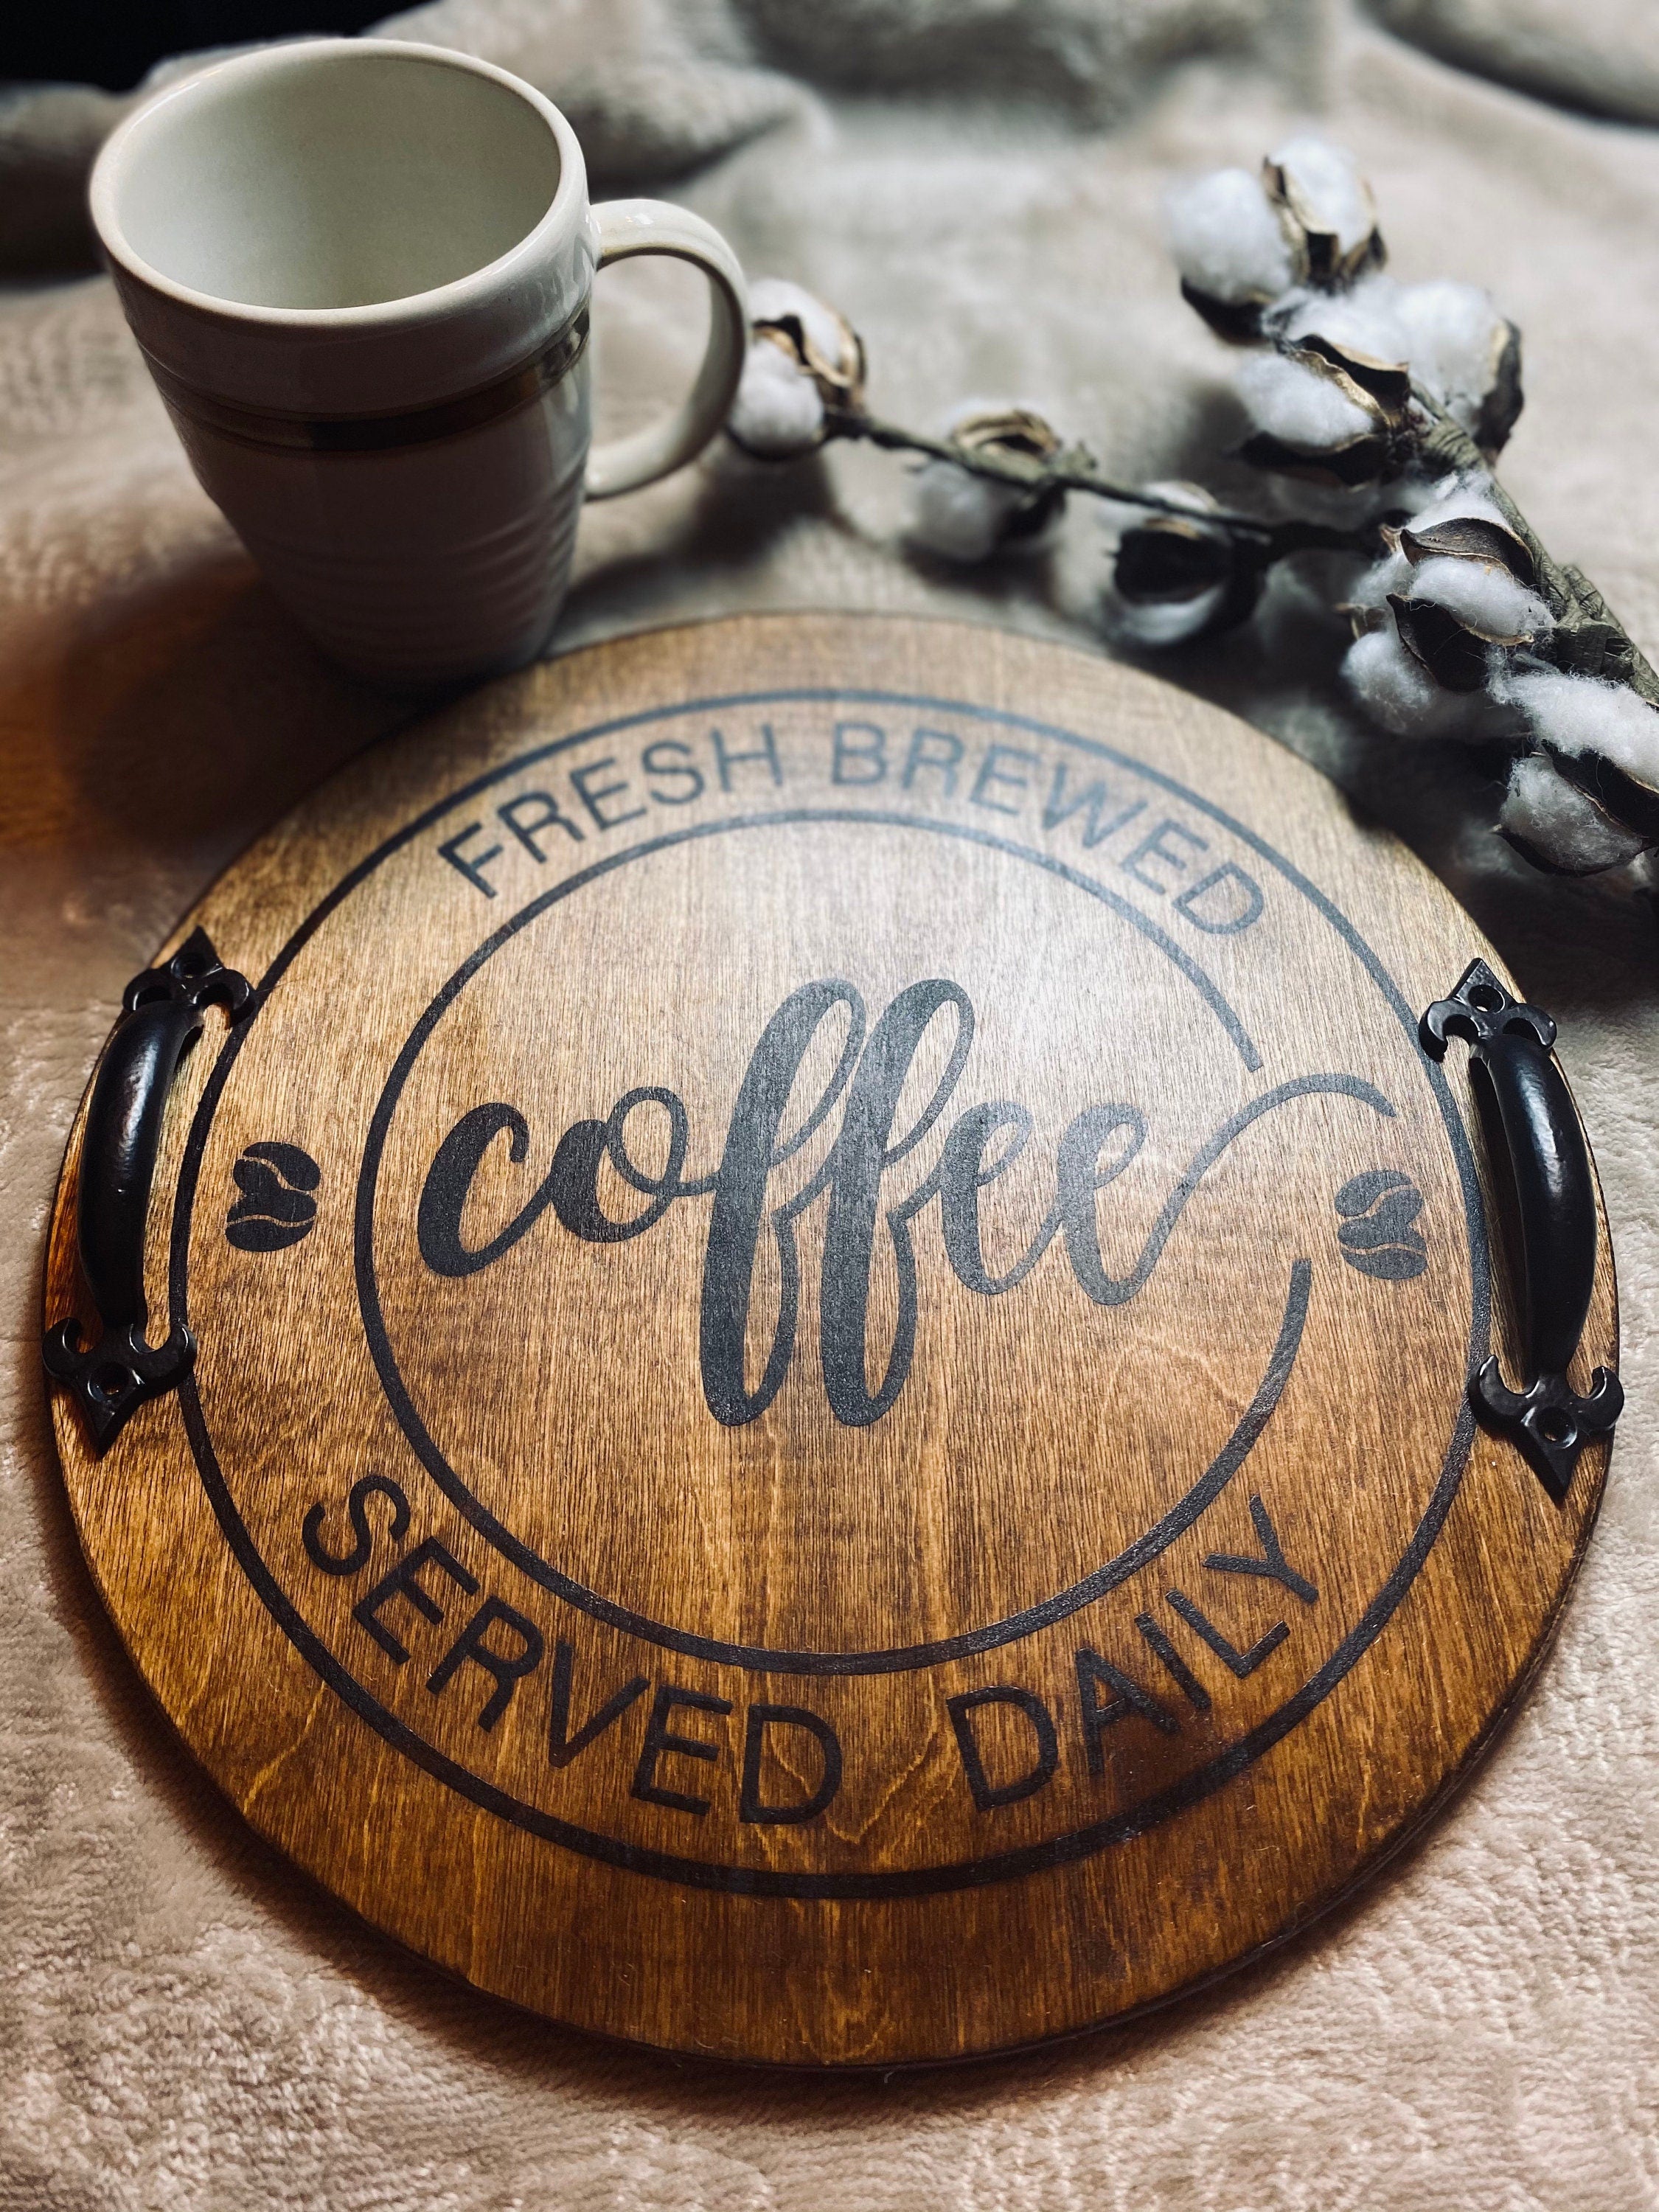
(856, 1452)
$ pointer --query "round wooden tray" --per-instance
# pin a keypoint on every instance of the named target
(834, 1305)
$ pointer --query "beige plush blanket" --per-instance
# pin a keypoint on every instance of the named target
(184, 2023)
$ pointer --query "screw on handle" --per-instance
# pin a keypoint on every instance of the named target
(162, 1011)
(1529, 1116)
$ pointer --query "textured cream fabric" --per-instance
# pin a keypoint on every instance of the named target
(1604, 57)
(186, 2024)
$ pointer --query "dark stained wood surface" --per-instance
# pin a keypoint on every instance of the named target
(833, 1306)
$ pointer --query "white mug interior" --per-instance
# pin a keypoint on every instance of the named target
(335, 179)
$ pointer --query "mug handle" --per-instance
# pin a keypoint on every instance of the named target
(623, 228)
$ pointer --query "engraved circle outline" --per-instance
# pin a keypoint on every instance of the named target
(760, 1881)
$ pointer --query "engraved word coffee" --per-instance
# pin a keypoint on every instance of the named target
(834, 1305)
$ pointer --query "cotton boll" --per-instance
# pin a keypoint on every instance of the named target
(1381, 581)
(1400, 695)
(1298, 405)
(1546, 815)
(1365, 320)
(964, 516)
(1324, 186)
(803, 359)
(1119, 518)
(1154, 623)
(1460, 352)
(778, 410)
(961, 516)
(772, 299)
(1172, 581)
(1489, 600)
(1581, 714)
(1225, 238)
(1453, 337)
(1461, 497)
(1463, 493)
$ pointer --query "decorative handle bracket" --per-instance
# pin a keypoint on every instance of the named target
(162, 1011)
(1547, 1162)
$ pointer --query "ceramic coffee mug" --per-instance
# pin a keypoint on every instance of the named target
(359, 273)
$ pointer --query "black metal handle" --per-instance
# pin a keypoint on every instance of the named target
(1525, 1102)
(162, 1011)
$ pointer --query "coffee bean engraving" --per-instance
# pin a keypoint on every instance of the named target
(276, 1207)
(1378, 1235)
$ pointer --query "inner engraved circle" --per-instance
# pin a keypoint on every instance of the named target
(764, 1658)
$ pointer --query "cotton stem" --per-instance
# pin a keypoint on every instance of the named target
(1072, 470)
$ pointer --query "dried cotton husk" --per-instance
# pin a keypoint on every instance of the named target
(1180, 577)
(1559, 828)
(1328, 212)
(805, 367)
(965, 516)
(1377, 444)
